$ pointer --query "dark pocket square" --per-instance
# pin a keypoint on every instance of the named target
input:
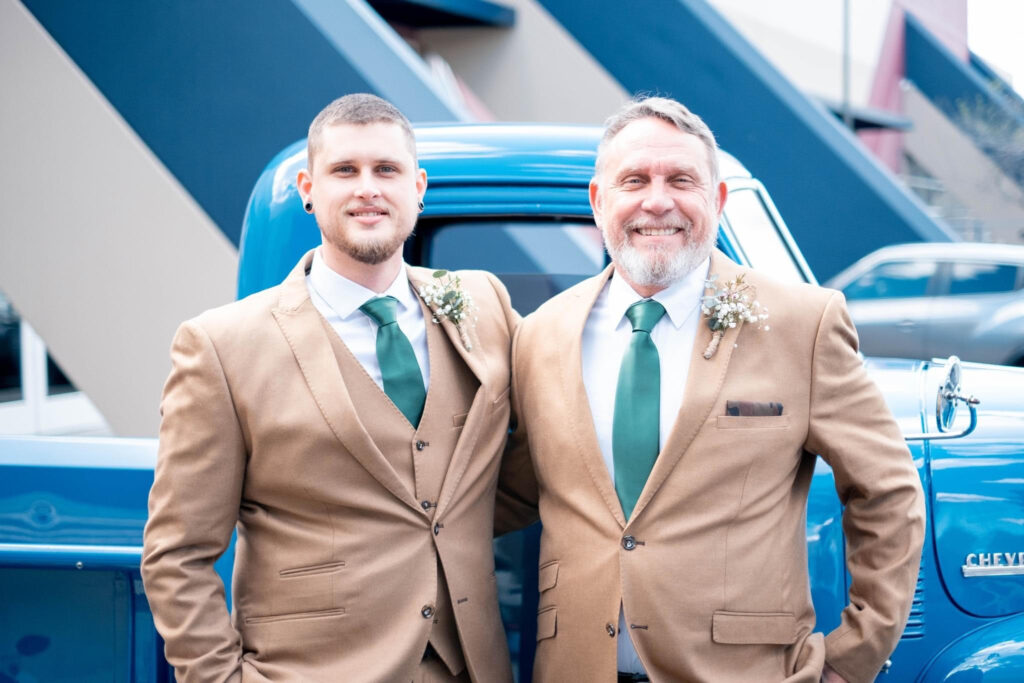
(753, 409)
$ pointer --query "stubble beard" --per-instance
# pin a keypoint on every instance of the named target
(369, 250)
(662, 266)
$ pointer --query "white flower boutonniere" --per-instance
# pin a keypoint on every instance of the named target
(730, 304)
(448, 301)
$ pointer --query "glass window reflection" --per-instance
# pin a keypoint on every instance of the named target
(10, 352)
(982, 278)
(894, 280)
(534, 259)
(761, 242)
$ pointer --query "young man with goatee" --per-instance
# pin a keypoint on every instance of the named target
(352, 441)
(673, 438)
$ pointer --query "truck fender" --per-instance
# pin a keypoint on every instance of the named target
(993, 653)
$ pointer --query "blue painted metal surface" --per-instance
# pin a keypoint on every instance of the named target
(977, 500)
(214, 89)
(822, 180)
(962, 89)
(993, 653)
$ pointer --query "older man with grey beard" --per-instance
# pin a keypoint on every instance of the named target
(673, 440)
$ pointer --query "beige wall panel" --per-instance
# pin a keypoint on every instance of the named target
(970, 176)
(103, 251)
(804, 40)
(532, 71)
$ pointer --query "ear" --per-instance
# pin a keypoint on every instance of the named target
(595, 200)
(304, 183)
(723, 194)
(421, 183)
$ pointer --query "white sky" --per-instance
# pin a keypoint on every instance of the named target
(994, 33)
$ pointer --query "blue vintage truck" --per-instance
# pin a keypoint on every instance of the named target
(513, 199)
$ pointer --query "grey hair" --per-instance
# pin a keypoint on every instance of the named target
(359, 109)
(667, 110)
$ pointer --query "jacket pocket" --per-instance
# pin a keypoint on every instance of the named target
(312, 570)
(547, 623)
(459, 420)
(753, 628)
(547, 576)
(752, 422)
(296, 616)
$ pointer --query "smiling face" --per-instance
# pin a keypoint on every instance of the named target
(656, 203)
(364, 185)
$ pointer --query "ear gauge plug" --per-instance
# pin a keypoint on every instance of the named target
(309, 207)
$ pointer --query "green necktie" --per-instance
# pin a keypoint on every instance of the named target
(403, 381)
(635, 429)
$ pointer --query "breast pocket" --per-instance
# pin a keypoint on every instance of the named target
(752, 422)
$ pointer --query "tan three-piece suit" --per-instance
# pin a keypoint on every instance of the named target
(360, 538)
(711, 569)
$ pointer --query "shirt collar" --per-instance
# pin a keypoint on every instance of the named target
(345, 296)
(680, 299)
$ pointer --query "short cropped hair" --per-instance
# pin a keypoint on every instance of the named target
(359, 109)
(667, 110)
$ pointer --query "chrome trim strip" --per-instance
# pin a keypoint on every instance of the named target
(25, 548)
(976, 571)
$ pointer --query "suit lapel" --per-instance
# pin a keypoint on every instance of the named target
(475, 359)
(703, 384)
(301, 325)
(569, 336)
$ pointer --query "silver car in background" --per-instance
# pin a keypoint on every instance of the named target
(932, 299)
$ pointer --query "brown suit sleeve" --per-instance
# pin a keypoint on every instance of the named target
(883, 518)
(193, 507)
(516, 503)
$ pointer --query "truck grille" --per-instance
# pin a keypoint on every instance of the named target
(915, 622)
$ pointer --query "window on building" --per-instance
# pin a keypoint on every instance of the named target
(10, 353)
(36, 397)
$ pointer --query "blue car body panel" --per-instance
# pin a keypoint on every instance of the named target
(72, 511)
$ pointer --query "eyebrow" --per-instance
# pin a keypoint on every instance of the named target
(375, 162)
(690, 169)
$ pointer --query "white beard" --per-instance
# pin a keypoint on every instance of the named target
(659, 267)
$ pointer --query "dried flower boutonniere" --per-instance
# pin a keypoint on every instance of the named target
(448, 301)
(730, 304)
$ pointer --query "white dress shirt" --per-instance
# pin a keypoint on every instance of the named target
(338, 299)
(606, 336)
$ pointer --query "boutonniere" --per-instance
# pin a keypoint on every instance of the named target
(448, 301)
(730, 304)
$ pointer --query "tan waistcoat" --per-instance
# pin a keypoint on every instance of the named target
(419, 456)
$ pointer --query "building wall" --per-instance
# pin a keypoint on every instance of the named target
(995, 203)
(533, 71)
(104, 252)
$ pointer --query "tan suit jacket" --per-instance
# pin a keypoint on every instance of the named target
(337, 554)
(714, 577)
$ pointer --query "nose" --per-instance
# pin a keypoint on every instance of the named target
(367, 188)
(657, 201)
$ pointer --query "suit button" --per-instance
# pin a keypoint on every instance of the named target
(420, 445)
(425, 504)
(611, 629)
(628, 542)
(427, 611)
(437, 528)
